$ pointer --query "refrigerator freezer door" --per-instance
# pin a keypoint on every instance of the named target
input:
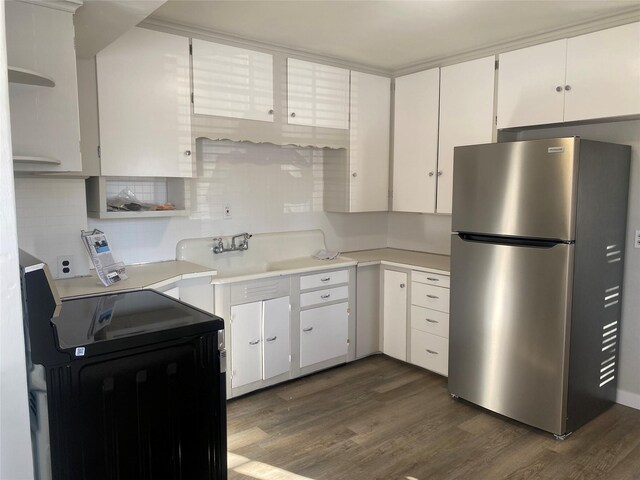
(521, 189)
(509, 329)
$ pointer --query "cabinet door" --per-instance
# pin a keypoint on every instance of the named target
(275, 334)
(246, 344)
(318, 95)
(369, 143)
(415, 136)
(394, 313)
(232, 82)
(531, 85)
(466, 116)
(145, 111)
(603, 74)
(323, 333)
(44, 120)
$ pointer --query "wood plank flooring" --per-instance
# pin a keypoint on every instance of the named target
(379, 418)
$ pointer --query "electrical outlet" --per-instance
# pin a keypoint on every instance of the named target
(65, 266)
(636, 242)
(227, 212)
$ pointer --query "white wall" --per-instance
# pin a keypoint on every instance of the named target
(627, 133)
(15, 440)
(421, 232)
(269, 188)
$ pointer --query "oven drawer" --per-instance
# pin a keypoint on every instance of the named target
(428, 296)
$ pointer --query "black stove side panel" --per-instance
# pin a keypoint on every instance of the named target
(153, 413)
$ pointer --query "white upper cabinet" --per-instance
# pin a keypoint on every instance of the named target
(232, 82)
(45, 126)
(581, 78)
(466, 117)
(144, 105)
(603, 74)
(317, 95)
(415, 149)
(361, 182)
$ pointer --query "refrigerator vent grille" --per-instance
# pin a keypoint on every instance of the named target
(611, 296)
(609, 343)
(613, 255)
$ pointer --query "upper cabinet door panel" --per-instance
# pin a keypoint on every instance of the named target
(318, 95)
(531, 85)
(466, 116)
(44, 120)
(415, 148)
(369, 142)
(603, 73)
(232, 82)
(144, 105)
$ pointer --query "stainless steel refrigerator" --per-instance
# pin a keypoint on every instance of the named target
(537, 257)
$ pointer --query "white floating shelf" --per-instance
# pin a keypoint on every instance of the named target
(28, 77)
(35, 160)
(140, 214)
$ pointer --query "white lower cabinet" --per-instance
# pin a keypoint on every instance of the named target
(260, 343)
(430, 351)
(324, 333)
(394, 311)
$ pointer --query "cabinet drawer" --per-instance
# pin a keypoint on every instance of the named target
(430, 321)
(429, 296)
(430, 278)
(324, 296)
(324, 279)
(430, 351)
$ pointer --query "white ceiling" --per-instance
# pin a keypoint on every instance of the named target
(388, 34)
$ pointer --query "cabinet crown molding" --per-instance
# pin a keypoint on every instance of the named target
(65, 5)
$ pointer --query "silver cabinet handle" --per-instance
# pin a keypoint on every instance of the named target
(325, 296)
(308, 329)
(431, 174)
(431, 352)
(559, 88)
(433, 296)
(293, 114)
(354, 174)
(567, 87)
(439, 173)
(431, 279)
(270, 112)
(272, 339)
(431, 321)
(187, 153)
(255, 342)
(402, 285)
(325, 279)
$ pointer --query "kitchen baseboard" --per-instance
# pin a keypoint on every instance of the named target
(629, 399)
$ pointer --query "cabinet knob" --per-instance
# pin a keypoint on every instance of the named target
(559, 88)
(354, 174)
(439, 173)
(293, 114)
(307, 329)
(435, 297)
(272, 339)
(255, 342)
(325, 296)
(271, 111)
(402, 285)
(187, 153)
(431, 174)
(432, 352)
(567, 87)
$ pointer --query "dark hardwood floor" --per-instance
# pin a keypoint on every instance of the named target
(379, 418)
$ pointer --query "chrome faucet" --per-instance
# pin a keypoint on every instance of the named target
(218, 244)
(244, 244)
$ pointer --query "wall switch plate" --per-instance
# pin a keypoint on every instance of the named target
(226, 214)
(636, 239)
(65, 266)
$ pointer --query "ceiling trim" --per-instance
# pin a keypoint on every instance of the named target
(63, 5)
(187, 30)
(628, 16)
(601, 23)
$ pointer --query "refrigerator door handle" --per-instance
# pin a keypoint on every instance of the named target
(513, 241)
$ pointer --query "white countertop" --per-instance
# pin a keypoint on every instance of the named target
(150, 275)
(284, 267)
(427, 262)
